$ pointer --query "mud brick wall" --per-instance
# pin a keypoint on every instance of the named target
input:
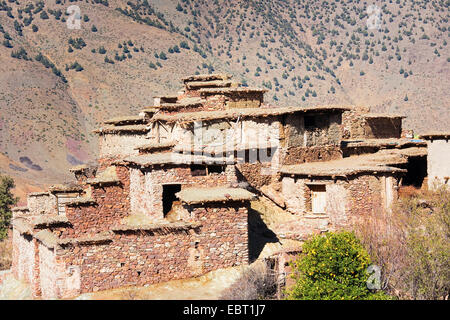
(141, 257)
(23, 267)
(47, 272)
(85, 174)
(146, 188)
(261, 132)
(120, 144)
(354, 151)
(370, 194)
(244, 100)
(296, 155)
(112, 204)
(378, 128)
(326, 130)
(355, 126)
(252, 173)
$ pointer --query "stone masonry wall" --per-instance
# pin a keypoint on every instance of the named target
(346, 202)
(154, 180)
(141, 257)
(42, 204)
(112, 204)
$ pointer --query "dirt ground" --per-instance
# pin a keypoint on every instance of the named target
(206, 287)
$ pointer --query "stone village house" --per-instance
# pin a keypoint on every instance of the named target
(170, 193)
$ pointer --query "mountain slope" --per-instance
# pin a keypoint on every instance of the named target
(57, 84)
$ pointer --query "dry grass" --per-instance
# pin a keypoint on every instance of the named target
(411, 245)
(5, 254)
(257, 282)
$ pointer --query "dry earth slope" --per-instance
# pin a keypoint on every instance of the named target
(57, 83)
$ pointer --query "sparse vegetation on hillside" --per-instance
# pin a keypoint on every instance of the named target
(304, 52)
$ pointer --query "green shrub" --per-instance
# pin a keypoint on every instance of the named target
(332, 267)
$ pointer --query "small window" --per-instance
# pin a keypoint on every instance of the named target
(216, 169)
(198, 170)
(310, 122)
(318, 198)
(169, 196)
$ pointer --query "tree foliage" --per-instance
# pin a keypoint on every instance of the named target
(6, 201)
(332, 267)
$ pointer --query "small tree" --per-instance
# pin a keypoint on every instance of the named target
(332, 267)
(6, 201)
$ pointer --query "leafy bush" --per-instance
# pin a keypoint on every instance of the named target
(332, 267)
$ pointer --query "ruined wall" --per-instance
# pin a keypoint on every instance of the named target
(438, 162)
(120, 144)
(142, 257)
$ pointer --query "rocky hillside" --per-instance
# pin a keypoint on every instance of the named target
(58, 81)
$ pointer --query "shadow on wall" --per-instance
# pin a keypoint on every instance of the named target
(258, 235)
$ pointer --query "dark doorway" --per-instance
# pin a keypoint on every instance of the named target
(417, 171)
(169, 191)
